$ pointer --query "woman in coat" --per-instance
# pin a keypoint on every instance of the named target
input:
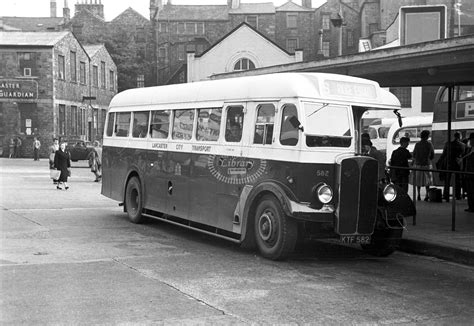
(62, 162)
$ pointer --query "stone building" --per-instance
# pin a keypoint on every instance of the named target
(48, 89)
(243, 48)
(195, 28)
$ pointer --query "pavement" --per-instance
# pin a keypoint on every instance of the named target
(431, 236)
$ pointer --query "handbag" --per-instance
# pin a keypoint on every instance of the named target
(54, 174)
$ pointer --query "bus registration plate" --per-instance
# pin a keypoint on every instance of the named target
(356, 238)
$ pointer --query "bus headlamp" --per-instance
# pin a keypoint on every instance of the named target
(324, 193)
(390, 193)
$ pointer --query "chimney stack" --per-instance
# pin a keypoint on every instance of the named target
(66, 11)
(307, 4)
(52, 8)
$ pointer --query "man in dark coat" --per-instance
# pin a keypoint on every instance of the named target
(400, 157)
(62, 162)
(469, 167)
(454, 164)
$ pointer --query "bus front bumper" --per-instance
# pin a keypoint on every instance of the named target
(302, 211)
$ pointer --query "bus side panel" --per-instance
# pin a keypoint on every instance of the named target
(116, 163)
(178, 176)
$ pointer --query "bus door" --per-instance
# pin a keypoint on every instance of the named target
(158, 167)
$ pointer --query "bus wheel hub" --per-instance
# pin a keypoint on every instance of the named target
(265, 226)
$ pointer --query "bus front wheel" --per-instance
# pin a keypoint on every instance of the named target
(275, 233)
(134, 200)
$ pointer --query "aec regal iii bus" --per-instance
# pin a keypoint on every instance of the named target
(262, 161)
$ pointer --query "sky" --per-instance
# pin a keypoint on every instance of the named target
(112, 8)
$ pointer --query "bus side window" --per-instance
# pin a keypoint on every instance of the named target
(466, 93)
(289, 134)
(122, 124)
(110, 125)
(183, 124)
(140, 124)
(234, 123)
(208, 124)
(160, 124)
(264, 124)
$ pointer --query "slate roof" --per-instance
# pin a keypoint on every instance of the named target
(31, 38)
(254, 8)
(32, 24)
(193, 12)
(290, 6)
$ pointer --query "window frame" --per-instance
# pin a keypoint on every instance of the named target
(152, 114)
(197, 136)
(73, 66)
(61, 67)
(265, 125)
(292, 20)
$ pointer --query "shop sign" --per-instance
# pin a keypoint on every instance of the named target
(18, 89)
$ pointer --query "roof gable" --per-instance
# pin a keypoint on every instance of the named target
(84, 13)
(129, 15)
(291, 6)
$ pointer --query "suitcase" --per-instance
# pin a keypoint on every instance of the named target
(435, 195)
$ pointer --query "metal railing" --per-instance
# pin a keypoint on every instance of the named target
(449, 173)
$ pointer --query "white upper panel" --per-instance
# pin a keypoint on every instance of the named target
(316, 86)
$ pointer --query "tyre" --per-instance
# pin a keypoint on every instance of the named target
(134, 200)
(275, 233)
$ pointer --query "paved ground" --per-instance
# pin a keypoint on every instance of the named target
(71, 257)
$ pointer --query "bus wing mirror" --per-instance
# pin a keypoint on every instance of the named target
(399, 117)
(296, 123)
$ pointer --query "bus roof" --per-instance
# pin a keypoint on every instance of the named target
(324, 87)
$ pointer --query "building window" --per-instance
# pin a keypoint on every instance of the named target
(200, 28)
(252, 21)
(291, 45)
(190, 28)
(68, 120)
(403, 94)
(181, 52)
(61, 67)
(163, 27)
(27, 63)
(325, 49)
(82, 72)
(73, 66)
(373, 28)
(181, 28)
(140, 35)
(74, 120)
(162, 53)
(95, 76)
(62, 119)
(350, 38)
(111, 80)
(102, 74)
(244, 64)
(291, 20)
(326, 22)
(140, 81)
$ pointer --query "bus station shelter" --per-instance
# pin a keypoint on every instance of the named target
(442, 62)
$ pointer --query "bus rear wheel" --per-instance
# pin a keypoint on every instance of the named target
(134, 200)
(275, 233)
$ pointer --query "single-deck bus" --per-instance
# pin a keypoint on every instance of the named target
(262, 160)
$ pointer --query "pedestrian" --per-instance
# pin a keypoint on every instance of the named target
(454, 163)
(95, 161)
(469, 167)
(18, 144)
(36, 148)
(422, 156)
(62, 162)
(52, 152)
(369, 150)
(400, 157)
(11, 147)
